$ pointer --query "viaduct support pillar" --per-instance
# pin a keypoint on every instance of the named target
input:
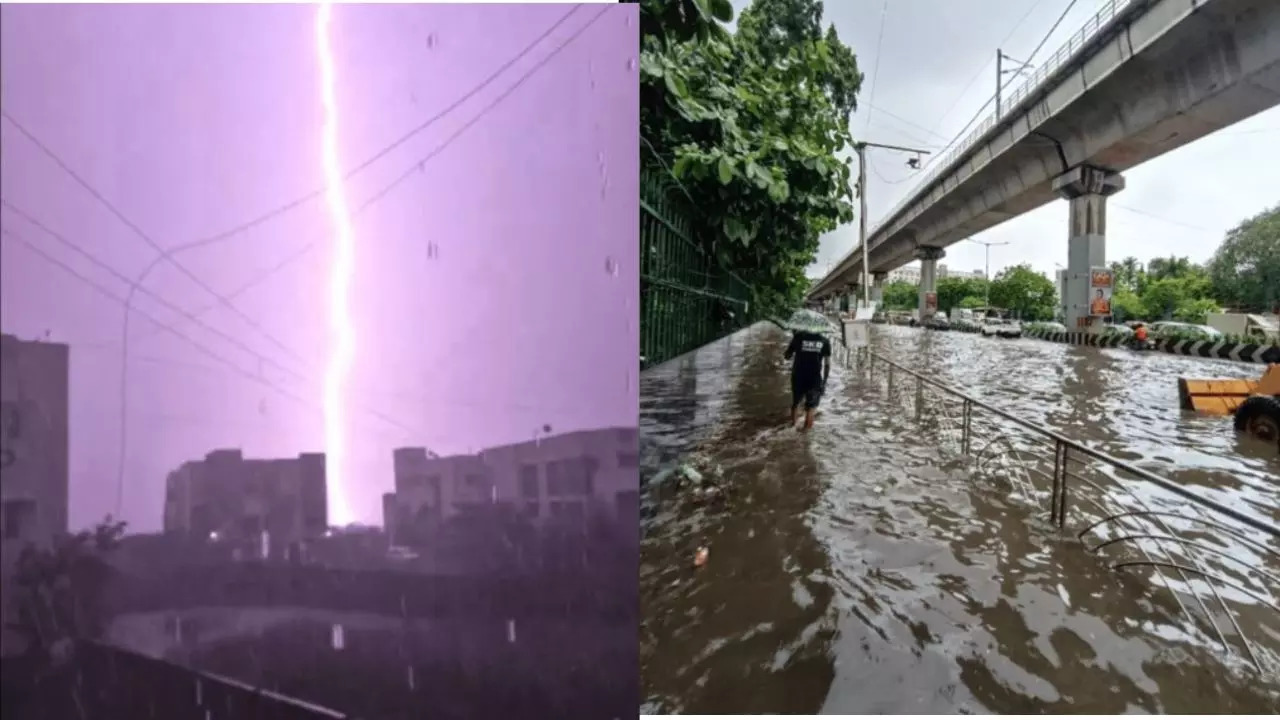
(877, 287)
(928, 257)
(1086, 189)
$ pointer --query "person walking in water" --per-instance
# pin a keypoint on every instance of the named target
(810, 356)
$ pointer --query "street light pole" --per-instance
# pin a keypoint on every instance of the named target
(986, 273)
(861, 148)
(862, 222)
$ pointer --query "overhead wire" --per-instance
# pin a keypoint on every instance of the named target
(420, 164)
(875, 69)
(34, 248)
(982, 70)
(115, 211)
(167, 255)
(1003, 84)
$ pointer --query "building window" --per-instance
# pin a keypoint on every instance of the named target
(19, 519)
(628, 460)
(555, 484)
(529, 482)
(567, 511)
(574, 477)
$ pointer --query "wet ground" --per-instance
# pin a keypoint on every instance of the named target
(862, 569)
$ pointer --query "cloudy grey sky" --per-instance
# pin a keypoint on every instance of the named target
(936, 68)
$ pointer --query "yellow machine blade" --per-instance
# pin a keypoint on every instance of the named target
(1222, 397)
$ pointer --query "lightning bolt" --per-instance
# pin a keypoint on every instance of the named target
(342, 347)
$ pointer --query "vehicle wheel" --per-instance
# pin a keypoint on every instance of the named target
(1260, 416)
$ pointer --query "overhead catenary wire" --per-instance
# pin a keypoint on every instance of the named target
(983, 70)
(1003, 83)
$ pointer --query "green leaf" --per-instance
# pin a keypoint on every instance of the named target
(676, 85)
(651, 65)
(726, 170)
(722, 10)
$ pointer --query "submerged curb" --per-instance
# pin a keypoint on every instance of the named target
(1221, 349)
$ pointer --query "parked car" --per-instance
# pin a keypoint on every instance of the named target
(1010, 329)
(938, 322)
(999, 327)
(1185, 330)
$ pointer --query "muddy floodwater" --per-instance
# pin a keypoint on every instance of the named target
(864, 568)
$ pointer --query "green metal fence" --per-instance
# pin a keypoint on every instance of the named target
(686, 299)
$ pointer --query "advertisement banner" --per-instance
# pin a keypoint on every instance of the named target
(930, 302)
(1101, 283)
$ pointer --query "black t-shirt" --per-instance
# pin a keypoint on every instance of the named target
(808, 349)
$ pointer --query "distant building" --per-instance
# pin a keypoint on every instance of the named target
(34, 474)
(270, 507)
(906, 273)
(560, 478)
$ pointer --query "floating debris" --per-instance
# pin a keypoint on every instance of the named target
(700, 557)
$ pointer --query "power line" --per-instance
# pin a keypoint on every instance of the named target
(875, 169)
(909, 123)
(145, 237)
(260, 277)
(121, 276)
(382, 152)
(110, 295)
(982, 71)
(124, 364)
(1161, 218)
(167, 255)
(369, 202)
(875, 70)
(976, 116)
(419, 164)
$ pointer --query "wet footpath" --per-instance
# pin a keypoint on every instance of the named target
(860, 568)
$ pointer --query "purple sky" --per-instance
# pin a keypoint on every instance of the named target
(495, 289)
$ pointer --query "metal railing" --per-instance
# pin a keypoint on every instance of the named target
(944, 163)
(118, 683)
(686, 299)
(1221, 566)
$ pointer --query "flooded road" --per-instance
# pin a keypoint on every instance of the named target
(863, 569)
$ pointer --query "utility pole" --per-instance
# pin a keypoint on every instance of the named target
(862, 221)
(1001, 71)
(861, 148)
(987, 272)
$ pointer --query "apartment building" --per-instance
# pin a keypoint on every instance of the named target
(34, 463)
(270, 505)
(557, 478)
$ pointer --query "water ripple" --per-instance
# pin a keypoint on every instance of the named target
(861, 569)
